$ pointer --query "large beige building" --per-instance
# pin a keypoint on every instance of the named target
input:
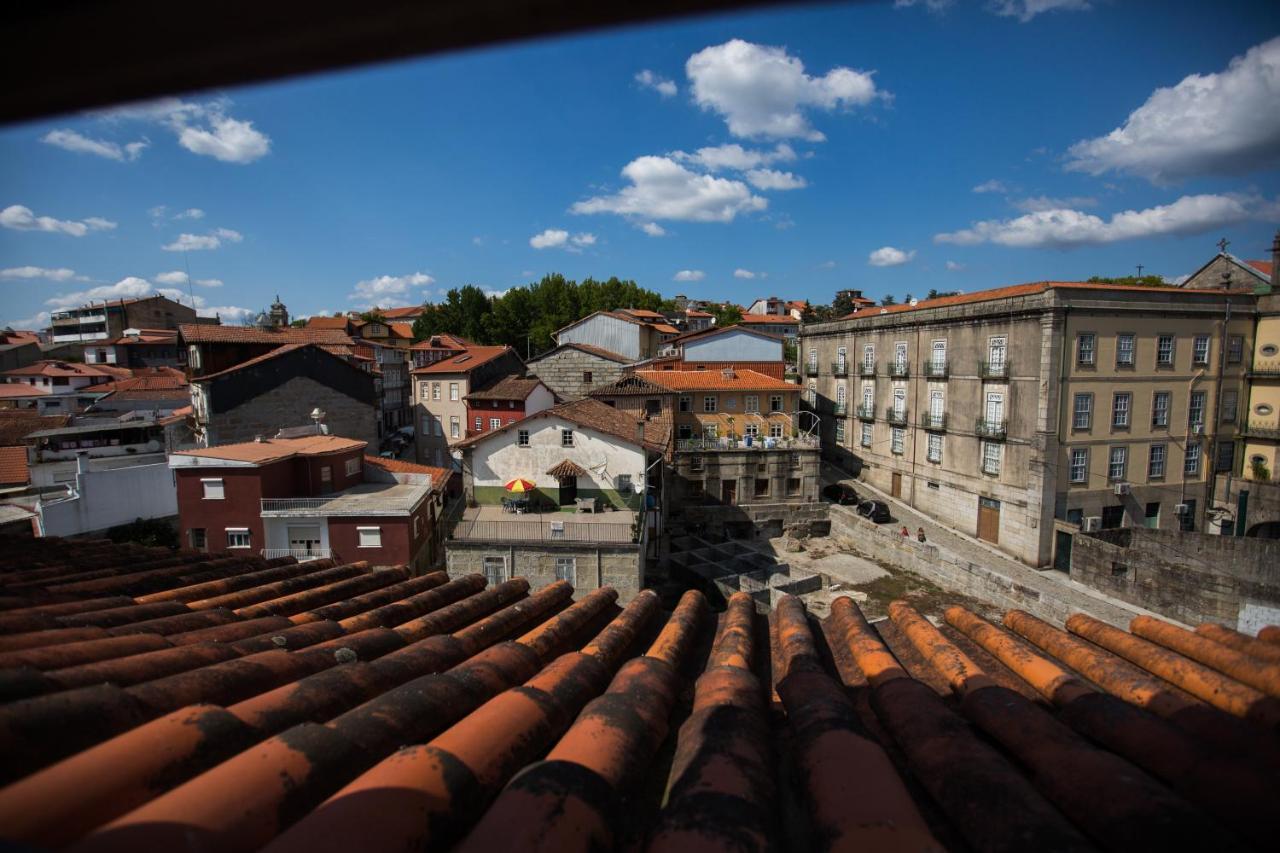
(1021, 414)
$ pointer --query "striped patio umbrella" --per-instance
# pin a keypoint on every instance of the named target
(519, 486)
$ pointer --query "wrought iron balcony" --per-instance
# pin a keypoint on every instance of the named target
(993, 369)
(810, 369)
(867, 412)
(867, 368)
(935, 369)
(839, 368)
(996, 430)
(899, 369)
(895, 416)
(934, 422)
(302, 555)
(840, 409)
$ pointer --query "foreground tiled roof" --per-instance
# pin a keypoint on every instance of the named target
(319, 322)
(275, 449)
(715, 380)
(199, 702)
(199, 333)
(408, 312)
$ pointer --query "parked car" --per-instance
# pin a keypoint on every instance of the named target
(877, 511)
(840, 493)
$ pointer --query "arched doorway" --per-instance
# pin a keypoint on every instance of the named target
(1265, 530)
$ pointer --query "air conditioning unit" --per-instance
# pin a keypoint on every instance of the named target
(1092, 524)
(1122, 488)
(1180, 509)
(1197, 429)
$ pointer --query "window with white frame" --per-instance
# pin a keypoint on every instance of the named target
(995, 408)
(990, 457)
(997, 349)
(868, 396)
(938, 355)
(567, 569)
(751, 403)
(1117, 462)
(1195, 409)
(1079, 464)
(751, 429)
(709, 403)
(1164, 351)
(435, 390)
(936, 403)
(1124, 350)
(455, 427)
(479, 423)
(1086, 349)
(1191, 460)
(900, 354)
(840, 431)
(1160, 409)
(899, 402)
(1200, 349)
(238, 537)
(842, 358)
(453, 391)
(869, 357)
(1121, 402)
(934, 450)
(775, 430)
(424, 390)
(495, 423)
(566, 438)
(813, 358)
(1155, 461)
(495, 569)
(896, 439)
(1235, 349)
(213, 489)
(1082, 412)
(369, 537)
(353, 466)
(775, 402)
(841, 394)
(866, 433)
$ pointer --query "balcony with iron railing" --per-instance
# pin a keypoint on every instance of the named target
(302, 555)
(899, 369)
(758, 443)
(1267, 367)
(930, 421)
(492, 524)
(810, 369)
(996, 430)
(867, 368)
(935, 370)
(993, 369)
(1262, 428)
(866, 412)
(839, 409)
(839, 368)
(896, 416)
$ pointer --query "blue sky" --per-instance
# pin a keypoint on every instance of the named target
(892, 147)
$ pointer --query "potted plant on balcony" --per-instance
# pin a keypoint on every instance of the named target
(731, 434)
(1260, 471)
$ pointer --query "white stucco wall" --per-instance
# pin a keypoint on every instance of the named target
(733, 346)
(540, 399)
(499, 460)
(109, 497)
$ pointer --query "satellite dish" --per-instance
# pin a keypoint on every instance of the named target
(914, 302)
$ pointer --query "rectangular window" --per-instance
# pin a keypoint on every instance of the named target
(326, 478)
(840, 431)
(566, 438)
(938, 355)
(793, 486)
(869, 357)
(1086, 343)
(1235, 349)
(495, 423)
(1160, 409)
(495, 569)
(1191, 461)
(622, 483)
(567, 569)
(435, 390)
(455, 428)
(1155, 461)
(751, 403)
(709, 403)
(762, 487)
(775, 402)
(424, 390)
(695, 463)
(751, 429)
(813, 359)
(453, 391)
(198, 540)
(1200, 350)
(353, 466)
(213, 490)
(1188, 520)
(731, 404)
(685, 404)
(1164, 351)
(775, 430)
(1082, 412)
(369, 537)
(996, 349)
(586, 377)
(896, 440)
(1229, 403)
(1226, 456)
(438, 427)
(1195, 409)
(1124, 350)
(934, 451)
(1079, 464)
(1151, 516)
(1120, 406)
(479, 424)
(990, 457)
(1112, 517)
(684, 431)
(522, 438)
(900, 355)
(238, 537)
(866, 434)
(1117, 462)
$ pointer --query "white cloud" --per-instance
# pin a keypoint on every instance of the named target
(70, 140)
(689, 275)
(770, 179)
(375, 291)
(190, 213)
(1068, 228)
(1209, 124)
(931, 5)
(1025, 10)
(197, 242)
(583, 239)
(126, 288)
(232, 315)
(558, 238)
(58, 274)
(664, 87)
(21, 218)
(39, 321)
(204, 129)
(653, 229)
(1044, 202)
(748, 274)
(762, 91)
(954, 266)
(178, 278)
(661, 188)
(734, 156)
(991, 186)
(888, 256)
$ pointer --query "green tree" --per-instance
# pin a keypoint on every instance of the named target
(1131, 280)
(726, 314)
(374, 316)
(889, 299)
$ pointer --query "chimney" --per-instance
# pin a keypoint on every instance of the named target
(1275, 263)
(640, 432)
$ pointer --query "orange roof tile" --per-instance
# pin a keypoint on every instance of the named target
(1263, 267)
(466, 361)
(401, 330)
(405, 312)
(13, 390)
(319, 322)
(769, 319)
(13, 466)
(199, 333)
(275, 449)
(439, 476)
(715, 380)
(67, 368)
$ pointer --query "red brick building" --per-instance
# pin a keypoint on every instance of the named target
(505, 401)
(311, 498)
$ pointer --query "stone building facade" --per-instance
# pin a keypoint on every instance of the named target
(572, 371)
(586, 565)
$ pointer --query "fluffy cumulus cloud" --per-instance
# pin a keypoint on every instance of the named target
(198, 242)
(661, 188)
(21, 218)
(689, 275)
(70, 140)
(649, 80)
(653, 229)
(888, 256)
(389, 288)
(201, 128)
(1066, 228)
(733, 156)
(991, 186)
(763, 91)
(130, 287)
(190, 213)
(558, 238)
(931, 5)
(771, 179)
(954, 266)
(1025, 10)
(55, 274)
(1044, 202)
(179, 278)
(1225, 123)
(749, 274)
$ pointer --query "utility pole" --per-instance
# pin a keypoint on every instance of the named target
(1140, 270)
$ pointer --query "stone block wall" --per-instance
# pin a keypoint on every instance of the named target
(290, 405)
(1191, 577)
(620, 566)
(563, 371)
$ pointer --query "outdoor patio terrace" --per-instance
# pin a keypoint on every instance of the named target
(491, 523)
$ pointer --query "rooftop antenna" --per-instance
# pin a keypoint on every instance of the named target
(190, 294)
(1223, 244)
(1139, 270)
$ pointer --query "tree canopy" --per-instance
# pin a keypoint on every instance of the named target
(1130, 280)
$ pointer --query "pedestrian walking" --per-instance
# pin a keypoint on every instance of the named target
(920, 533)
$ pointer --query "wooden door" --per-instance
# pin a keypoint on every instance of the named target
(1062, 554)
(989, 520)
(729, 492)
(568, 490)
(896, 485)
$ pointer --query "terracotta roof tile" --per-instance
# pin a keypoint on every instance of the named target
(466, 361)
(439, 476)
(405, 312)
(1263, 267)
(17, 424)
(275, 449)
(200, 333)
(592, 414)
(768, 319)
(13, 466)
(715, 380)
(318, 322)
(589, 350)
(507, 388)
(67, 368)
